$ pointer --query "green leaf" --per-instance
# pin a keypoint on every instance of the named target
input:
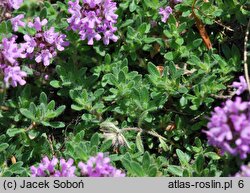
(55, 83)
(43, 13)
(53, 124)
(79, 136)
(60, 110)
(132, 6)
(107, 59)
(43, 98)
(3, 28)
(17, 168)
(175, 170)
(99, 50)
(126, 165)
(33, 134)
(81, 153)
(146, 161)
(183, 101)
(153, 70)
(212, 155)
(142, 28)
(186, 173)
(137, 169)
(139, 143)
(182, 27)
(94, 141)
(179, 41)
(3, 146)
(127, 23)
(51, 105)
(169, 56)
(14, 131)
(163, 144)
(122, 77)
(152, 171)
(27, 114)
(2, 138)
(197, 43)
(144, 95)
(32, 108)
(151, 3)
(105, 145)
(183, 157)
(198, 142)
(199, 162)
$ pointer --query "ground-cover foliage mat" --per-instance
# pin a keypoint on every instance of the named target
(114, 88)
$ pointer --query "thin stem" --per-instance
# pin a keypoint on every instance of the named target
(194, 2)
(32, 125)
(137, 129)
(4, 108)
(132, 129)
(245, 57)
(217, 22)
(223, 96)
(51, 144)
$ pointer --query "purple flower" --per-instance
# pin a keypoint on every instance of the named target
(92, 3)
(11, 4)
(17, 22)
(92, 19)
(45, 169)
(50, 35)
(14, 76)
(43, 46)
(109, 35)
(165, 12)
(245, 171)
(30, 44)
(229, 128)
(66, 169)
(90, 34)
(177, 1)
(16, 4)
(46, 77)
(51, 168)
(11, 51)
(44, 56)
(60, 43)
(109, 11)
(38, 24)
(240, 86)
(99, 166)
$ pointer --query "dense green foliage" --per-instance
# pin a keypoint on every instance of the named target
(155, 118)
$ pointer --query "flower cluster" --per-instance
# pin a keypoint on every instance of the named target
(229, 128)
(11, 4)
(240, 86)
(43, 46)
(99, 166)
(165, 13)
(93, 20)
(50, 168)
(245, 171)
(17, 22)
(10, 52)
